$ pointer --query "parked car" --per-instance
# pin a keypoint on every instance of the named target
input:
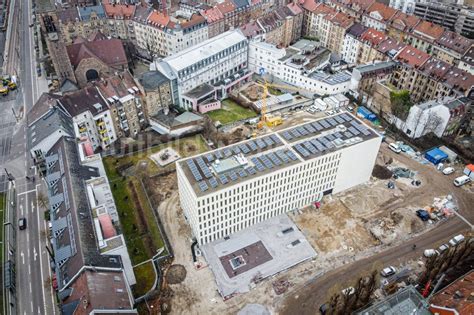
(456, 240)
(389, 271)
(22, 223)
(395, 147)
(430, 253)
(448, 170)
(330, 112)
(443, 248)
(461, 180)
(423, 214)
(348, 291)
(350, 108)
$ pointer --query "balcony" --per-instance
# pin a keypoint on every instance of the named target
(100, 123)
(102, 131)
(82, 129)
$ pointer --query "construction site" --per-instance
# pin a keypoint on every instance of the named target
(347, 227)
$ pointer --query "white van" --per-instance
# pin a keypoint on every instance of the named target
(456, 240)
(395, 147)
(461, 180)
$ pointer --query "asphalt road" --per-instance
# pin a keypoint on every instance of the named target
(33, 290)
(307, 298)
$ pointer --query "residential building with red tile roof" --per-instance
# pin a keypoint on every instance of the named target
(119, 17)
(368, 49)
(215, 21)
(401, 24)
(451, 46)
(412, 57)
(339, 23)
(467, 61)
(378, 15)
(355, 8)
(424, 36)
(390, 47)
(456, 298)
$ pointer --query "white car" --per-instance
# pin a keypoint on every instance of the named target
(330, 112)
(395, 147)
(448, 170)
(389, 271)
(430, 253)
(456, 240)
(348, 291)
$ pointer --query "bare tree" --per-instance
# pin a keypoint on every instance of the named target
(42, 201)
(433, 122)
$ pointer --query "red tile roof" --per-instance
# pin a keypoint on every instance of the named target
(435, 68)
(458, 295)
(119, 10)
(158, 19)
(310, 5)
(295, 8)
(428, 30)
(458, 79)
(454, 41)
(109, 51)
(404, 22)
(373, 37)
(412, 56)
(251, 29)
(385, 11)
(341, 19)
(212, 15)
(390, 44)
(323, 9)
(226, 7)
(195, 20)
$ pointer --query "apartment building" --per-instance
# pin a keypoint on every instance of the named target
(229, 189)
(351, 44)
(164, 35)
(467, 61)
(427, 78)
(299, 65)
(120, 20)
(208, 70)
(378, 16)
(456, 17)
(91, 115)
(368, 51)
(338, 24)
(156, 89)
(215, 21)
(401, 24)
(125, 101)
(450, 47)
(410, 58)
(424, 36)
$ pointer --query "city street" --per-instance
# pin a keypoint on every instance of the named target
(33, 289)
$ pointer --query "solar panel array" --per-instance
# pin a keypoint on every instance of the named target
(192, 166)
(317, 126)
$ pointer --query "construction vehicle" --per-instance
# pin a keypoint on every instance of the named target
(268, 119)
(4, 91)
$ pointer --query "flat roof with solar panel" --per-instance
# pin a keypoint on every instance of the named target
(243, 161)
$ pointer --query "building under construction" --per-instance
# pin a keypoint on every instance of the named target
(226, 190)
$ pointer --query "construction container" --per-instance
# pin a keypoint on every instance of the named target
(365, 113)
(469, 171)
(436, 156)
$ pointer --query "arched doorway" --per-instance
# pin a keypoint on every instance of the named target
(92, 75)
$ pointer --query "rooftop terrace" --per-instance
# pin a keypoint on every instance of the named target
(221, 168)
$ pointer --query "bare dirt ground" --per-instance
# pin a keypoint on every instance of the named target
(340, 232)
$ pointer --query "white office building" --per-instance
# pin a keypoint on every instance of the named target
(229, 189)
(299, 65)
(217, 65)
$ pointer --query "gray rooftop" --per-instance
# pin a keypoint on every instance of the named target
(405, 301)
(152, 80)
(331, 79)
(376, 66)
(224, 167)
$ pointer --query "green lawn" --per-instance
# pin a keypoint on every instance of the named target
(274, 91)
(230, 112)
(185, 147)
(141, 232)
(145, 276)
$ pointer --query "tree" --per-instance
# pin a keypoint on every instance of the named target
(433, 122)
(400, 103)
(42, 201)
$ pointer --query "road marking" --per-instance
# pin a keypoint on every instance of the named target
(35, 253)
(32, 207)
(22, 257)
(31, 302)
(26, 192)
(29, 269)
(31, 290)
(21, 209)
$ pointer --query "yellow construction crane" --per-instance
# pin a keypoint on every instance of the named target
(268, 119)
